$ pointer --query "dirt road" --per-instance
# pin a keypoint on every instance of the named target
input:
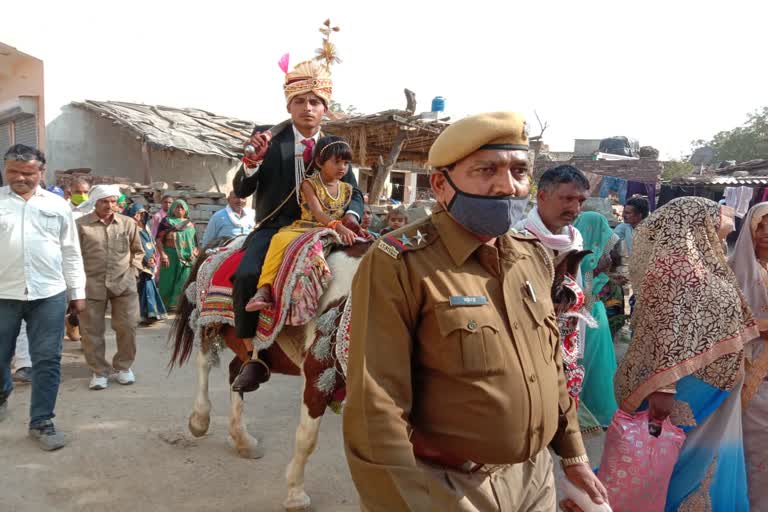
(130, 450)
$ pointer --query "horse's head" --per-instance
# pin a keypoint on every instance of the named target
(566, 264)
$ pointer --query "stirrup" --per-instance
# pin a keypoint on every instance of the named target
(247, 381)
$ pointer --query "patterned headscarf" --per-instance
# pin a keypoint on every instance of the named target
(691, 317)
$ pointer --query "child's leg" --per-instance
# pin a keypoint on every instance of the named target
(274, 257)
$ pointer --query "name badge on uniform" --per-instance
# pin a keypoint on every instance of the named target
(468, 300)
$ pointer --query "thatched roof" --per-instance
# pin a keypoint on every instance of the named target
(753, 167)
(191, 130)
(372, 136)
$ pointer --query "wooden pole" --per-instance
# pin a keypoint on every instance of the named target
(146, 161)
(382, 168)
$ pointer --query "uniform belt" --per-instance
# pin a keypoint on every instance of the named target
(445, 460)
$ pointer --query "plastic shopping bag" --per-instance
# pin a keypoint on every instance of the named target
(581, 498)
(636, 466)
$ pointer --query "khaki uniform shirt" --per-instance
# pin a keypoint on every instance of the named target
(112, 255)
(457, 340)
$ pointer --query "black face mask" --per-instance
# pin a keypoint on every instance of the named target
(489, 216)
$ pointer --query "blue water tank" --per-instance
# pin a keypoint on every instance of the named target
(438, 104)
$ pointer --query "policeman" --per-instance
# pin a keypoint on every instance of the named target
(455, 380)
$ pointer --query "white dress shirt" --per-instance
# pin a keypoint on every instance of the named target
(298, 148)
(40, 251)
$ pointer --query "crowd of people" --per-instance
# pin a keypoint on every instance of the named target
(461, 375)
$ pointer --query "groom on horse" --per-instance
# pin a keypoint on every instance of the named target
(272, 173)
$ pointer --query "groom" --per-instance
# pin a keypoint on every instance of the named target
(272, 174)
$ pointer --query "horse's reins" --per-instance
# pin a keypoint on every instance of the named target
(274, 212)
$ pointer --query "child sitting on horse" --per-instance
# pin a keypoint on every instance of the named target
(396, 218)
(324, 201)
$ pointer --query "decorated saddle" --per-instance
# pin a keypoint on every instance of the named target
(302, 279)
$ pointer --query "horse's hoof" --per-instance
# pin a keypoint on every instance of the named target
(198, 424)
(251, 452)
(298, 503)
(251, 449)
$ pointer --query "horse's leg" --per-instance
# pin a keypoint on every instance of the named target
(246, 445)
(200, 418)
(306, 441)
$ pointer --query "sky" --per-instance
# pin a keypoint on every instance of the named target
(663, 72)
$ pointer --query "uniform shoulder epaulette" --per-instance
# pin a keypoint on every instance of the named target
(409, 238)
(538, 248)
(523, 235)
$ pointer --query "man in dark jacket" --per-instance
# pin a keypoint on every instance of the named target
(272, 173)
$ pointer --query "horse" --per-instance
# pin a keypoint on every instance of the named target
(322, 372)
(320, 369)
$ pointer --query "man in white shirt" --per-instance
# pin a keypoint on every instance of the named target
(234, 220)
(41, 261)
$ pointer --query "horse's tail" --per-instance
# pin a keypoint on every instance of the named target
(181, 335)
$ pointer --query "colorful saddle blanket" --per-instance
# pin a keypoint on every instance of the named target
(302, 279)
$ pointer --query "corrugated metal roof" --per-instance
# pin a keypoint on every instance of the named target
(722, 180)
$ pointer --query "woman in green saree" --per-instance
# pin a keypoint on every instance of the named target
(177, 246)
(599, 356)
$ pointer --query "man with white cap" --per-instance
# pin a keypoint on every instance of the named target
(112, 256)
(455, 384)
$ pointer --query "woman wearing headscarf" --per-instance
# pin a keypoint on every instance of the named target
(750, 264)
(122, 203)
(177, 246)
(151, 305)
(686, 358)
(599, 359)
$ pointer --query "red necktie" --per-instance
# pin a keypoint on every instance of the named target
(310, 145)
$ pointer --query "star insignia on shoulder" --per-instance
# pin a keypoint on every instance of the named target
(420, 237)
(405, 240)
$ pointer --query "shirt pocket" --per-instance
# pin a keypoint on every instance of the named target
(472, 339)
(545, 325)
(50, 221)
(120, 243)
(6, 219)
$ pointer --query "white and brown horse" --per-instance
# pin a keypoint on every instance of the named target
(320, 369)
(314, 360)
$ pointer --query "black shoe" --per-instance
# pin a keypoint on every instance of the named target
(252, 374)
(23, 375)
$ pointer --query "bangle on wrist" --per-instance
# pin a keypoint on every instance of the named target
(250, 163)
(333, 224)
(574, 461)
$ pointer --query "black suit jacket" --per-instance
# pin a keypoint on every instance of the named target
(276, 179)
